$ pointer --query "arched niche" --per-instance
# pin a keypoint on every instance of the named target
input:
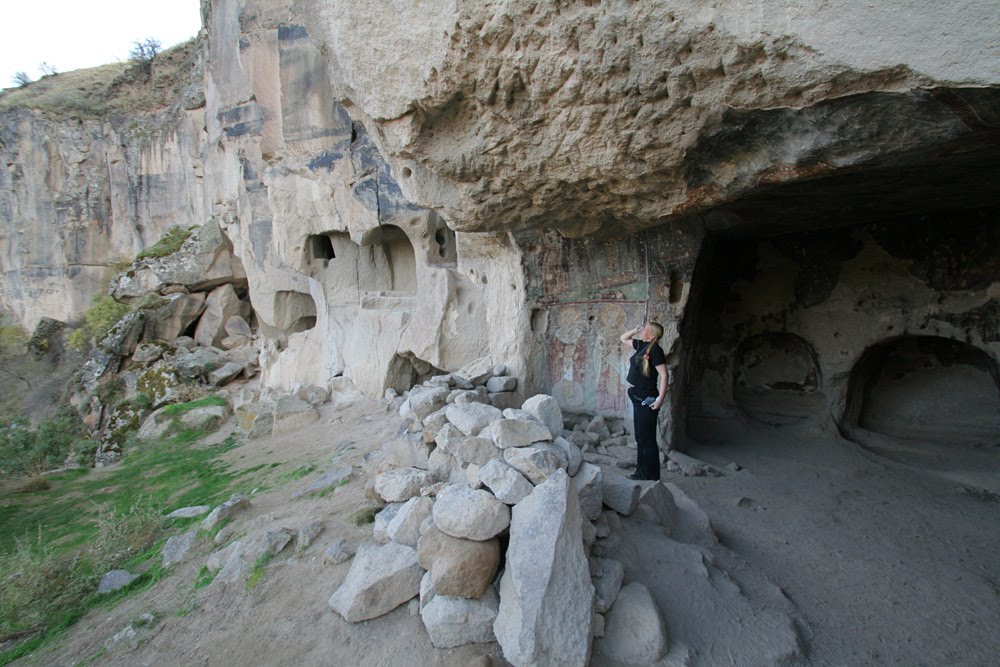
(776, 378)
(926, 389)
(387, 262)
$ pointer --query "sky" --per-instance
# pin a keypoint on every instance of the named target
(71, 34)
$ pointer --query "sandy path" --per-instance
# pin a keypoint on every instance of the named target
(880, 565)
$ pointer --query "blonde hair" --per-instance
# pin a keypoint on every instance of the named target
(658, 330)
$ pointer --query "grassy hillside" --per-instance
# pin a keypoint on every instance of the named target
(118, 87)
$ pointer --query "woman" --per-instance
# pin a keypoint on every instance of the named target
(647, 373)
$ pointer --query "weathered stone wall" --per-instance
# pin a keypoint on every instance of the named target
(787, 326)
(346, 275)
(418, 186)
(77, 196)
(584, 293)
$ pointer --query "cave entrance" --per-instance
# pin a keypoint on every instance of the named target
(927, 389)
(884, 331)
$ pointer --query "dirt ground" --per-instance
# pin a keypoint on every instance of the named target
(826, 555)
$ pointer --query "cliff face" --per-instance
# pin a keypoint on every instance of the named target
(413, 186)
(83, 191)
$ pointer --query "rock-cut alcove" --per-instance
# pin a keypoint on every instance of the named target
(387, 262)
(927, 389)
(776, 378)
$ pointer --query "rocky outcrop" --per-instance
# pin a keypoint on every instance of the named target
(84, 192)
(527, 182)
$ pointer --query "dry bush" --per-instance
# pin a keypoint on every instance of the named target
(124, 534)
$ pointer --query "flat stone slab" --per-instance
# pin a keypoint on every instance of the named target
(330, 479)
(177, 548)
(380, 579)
(116, 580)
(189, 512)
(235, 504)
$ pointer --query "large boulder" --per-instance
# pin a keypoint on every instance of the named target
(536, 462)
(546, 597)
(471, 449)
(405, 526)
(454, 621)
(424, 401)
(458, 568)
(545, 409)
(656, 504)
(221, 304)
(400, 485)
(589, 484)
(471, 514)
(471, 418)
(507, 433)
(621, 494)
(205, 260)
(507, 484)
(174, 316)
(380, 579)
(407, 449)
(633, 629)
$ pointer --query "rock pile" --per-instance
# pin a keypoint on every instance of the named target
(201, 290)
(469, 486)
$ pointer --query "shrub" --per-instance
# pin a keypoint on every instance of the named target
(12, 339)
(23, 448)
(98, 321)
(124, 534)
(36, 583)
(144, 51)
(170, 243)
(21, 79)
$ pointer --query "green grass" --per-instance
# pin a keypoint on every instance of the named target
(170, 243)
(365, 515)
(116, 87)
(66, 535)
(205, 577)
(257, 571)
(297, 473)
(178, 409)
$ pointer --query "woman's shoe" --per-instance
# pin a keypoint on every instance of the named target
(636, 476)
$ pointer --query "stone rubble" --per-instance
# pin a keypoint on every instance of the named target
(380, 579)
(633, 631)
(461, 479)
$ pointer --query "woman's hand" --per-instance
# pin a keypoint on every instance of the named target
(657, 403)
(630, 334)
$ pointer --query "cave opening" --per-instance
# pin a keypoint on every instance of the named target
(883, 330)
(926, 389)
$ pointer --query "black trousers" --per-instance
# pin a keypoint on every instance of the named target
(647, 457)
